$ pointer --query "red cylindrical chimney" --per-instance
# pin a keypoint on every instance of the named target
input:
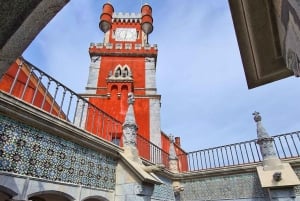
(147, 20)
(106, 17)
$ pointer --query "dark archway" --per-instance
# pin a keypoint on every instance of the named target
(6, 193)
(95, 198)
(50, 196)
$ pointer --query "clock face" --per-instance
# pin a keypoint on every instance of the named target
(125, 34)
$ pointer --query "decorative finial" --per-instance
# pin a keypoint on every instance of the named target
(257, 117)
(130, 98)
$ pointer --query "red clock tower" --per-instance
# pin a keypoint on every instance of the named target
(125, 62)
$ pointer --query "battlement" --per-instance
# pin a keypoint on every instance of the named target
(122, 48)
(127, 17)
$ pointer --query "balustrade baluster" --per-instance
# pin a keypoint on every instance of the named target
(217, 152)
(16, 78)
(241, 153)
(53, 99)
(103, 120)
(292, 136)
(197, 160)
(291, 154)
(62, 101)
(231, 155)
(93, 119)
(282, 147)
(26, 84)
(250, 144)
(213, 157)
(37, 87)
(46, 93)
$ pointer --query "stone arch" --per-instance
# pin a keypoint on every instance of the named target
(6, 193)
(50, 195)
(94, 198)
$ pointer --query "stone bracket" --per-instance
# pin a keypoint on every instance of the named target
(287, 176)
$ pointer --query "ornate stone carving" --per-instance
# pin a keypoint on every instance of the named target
(138, 189)
(178, 189)
(131, 98)
(129, 126)
(154, 168)
(129, 132)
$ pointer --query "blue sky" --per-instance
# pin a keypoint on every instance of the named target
(205, 99)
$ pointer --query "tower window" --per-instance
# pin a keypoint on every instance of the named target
(121, 72)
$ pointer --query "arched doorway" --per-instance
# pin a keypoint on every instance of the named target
(6, 193)
(92, 199)
(50, 196)
(95, 198)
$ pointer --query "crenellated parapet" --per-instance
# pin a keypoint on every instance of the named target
(123, 49)
(127, 17)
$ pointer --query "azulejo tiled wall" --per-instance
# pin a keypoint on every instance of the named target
(29, 151)
(163, 191)
(237, 186)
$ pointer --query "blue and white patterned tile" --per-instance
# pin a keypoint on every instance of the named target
(29, 151)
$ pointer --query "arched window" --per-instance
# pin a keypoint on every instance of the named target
(121, 73)
(125, 72)
(118, 72)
